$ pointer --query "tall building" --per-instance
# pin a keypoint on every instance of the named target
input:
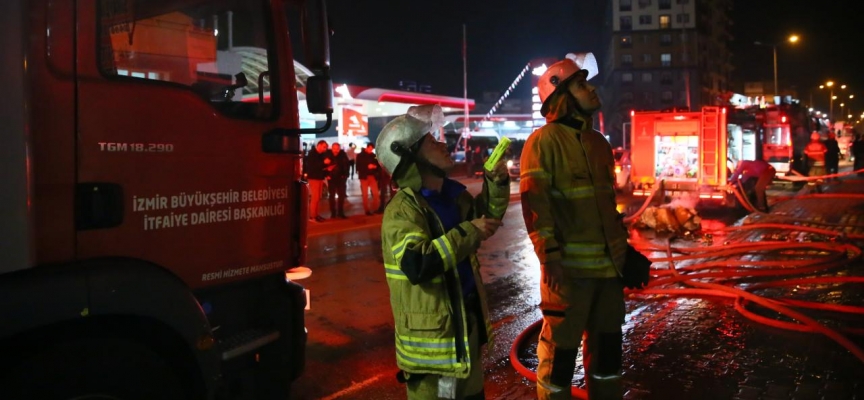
(663, 54)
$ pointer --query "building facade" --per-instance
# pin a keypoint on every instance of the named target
(663, 54)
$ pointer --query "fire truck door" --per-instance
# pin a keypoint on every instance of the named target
(170, 161)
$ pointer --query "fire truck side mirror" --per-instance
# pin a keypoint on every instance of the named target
(319, 95)
(316, 38)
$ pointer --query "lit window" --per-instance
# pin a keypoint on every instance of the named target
(665, 21)
(666, 59)
(626, 41)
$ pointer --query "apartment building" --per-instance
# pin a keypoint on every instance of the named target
(663, 54)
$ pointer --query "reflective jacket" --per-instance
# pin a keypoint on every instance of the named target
(568, 201)
(425, 289)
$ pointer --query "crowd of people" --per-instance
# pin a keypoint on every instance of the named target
(330, 167)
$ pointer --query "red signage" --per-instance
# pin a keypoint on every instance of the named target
(354, 122)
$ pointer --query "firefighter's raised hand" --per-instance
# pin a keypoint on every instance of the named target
(552, 274)
(499, 173)
(486, 226)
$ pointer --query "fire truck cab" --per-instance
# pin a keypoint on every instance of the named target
(152, 199)
(685, 150)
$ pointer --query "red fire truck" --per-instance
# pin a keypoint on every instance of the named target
(685, 150)
(149, 213)
(771, 134)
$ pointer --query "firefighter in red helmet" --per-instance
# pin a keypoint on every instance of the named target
(570, 213)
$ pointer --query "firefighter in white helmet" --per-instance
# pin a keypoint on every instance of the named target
(570, 213)
(430, 234)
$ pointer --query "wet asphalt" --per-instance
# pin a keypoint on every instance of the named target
(674, 347)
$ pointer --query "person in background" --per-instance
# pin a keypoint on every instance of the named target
(383, 190)
(430, 235)
(815, 152)
(314, 169)
(832, 154)
(754, 177)
(337, 172)
(569, 209)
(857, 150)
(367, 172)
(352, 157)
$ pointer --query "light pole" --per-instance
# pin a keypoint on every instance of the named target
(832, 97)
(791, 39)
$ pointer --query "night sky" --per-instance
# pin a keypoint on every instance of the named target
(377, 43)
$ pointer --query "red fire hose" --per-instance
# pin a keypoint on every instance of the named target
(702, 279)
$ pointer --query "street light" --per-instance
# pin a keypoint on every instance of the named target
(791, 39)
(832, 97)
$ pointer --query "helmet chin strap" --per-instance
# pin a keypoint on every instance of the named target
(575, 119)
(408, 156)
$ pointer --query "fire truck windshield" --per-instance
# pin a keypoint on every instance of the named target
(209, 47)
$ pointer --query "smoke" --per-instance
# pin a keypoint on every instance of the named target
(686, 200)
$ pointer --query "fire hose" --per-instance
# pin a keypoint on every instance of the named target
(708, 278)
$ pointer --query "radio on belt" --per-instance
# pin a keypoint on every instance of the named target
(497, 153)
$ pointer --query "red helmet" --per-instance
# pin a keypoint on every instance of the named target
(563, 70)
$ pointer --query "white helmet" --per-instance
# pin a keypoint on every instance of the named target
(403, 132)
(563, 70)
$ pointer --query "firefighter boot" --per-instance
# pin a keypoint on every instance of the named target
(605, 387)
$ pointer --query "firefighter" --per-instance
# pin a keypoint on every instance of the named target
(815, 152)
(754, 176)
(430, 234)
(570, 213)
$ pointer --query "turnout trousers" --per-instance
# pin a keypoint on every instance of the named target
(470, 388)
(590, 306)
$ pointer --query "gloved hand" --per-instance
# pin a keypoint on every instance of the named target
(636, 270)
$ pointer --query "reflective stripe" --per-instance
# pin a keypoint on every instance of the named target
(394, 272)
(430, 353)
(574, 193)
(538, 173)
(399, 249)
(446, 252)
(585, 248)
(587, 263)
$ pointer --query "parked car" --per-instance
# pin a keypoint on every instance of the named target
(622, 170)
